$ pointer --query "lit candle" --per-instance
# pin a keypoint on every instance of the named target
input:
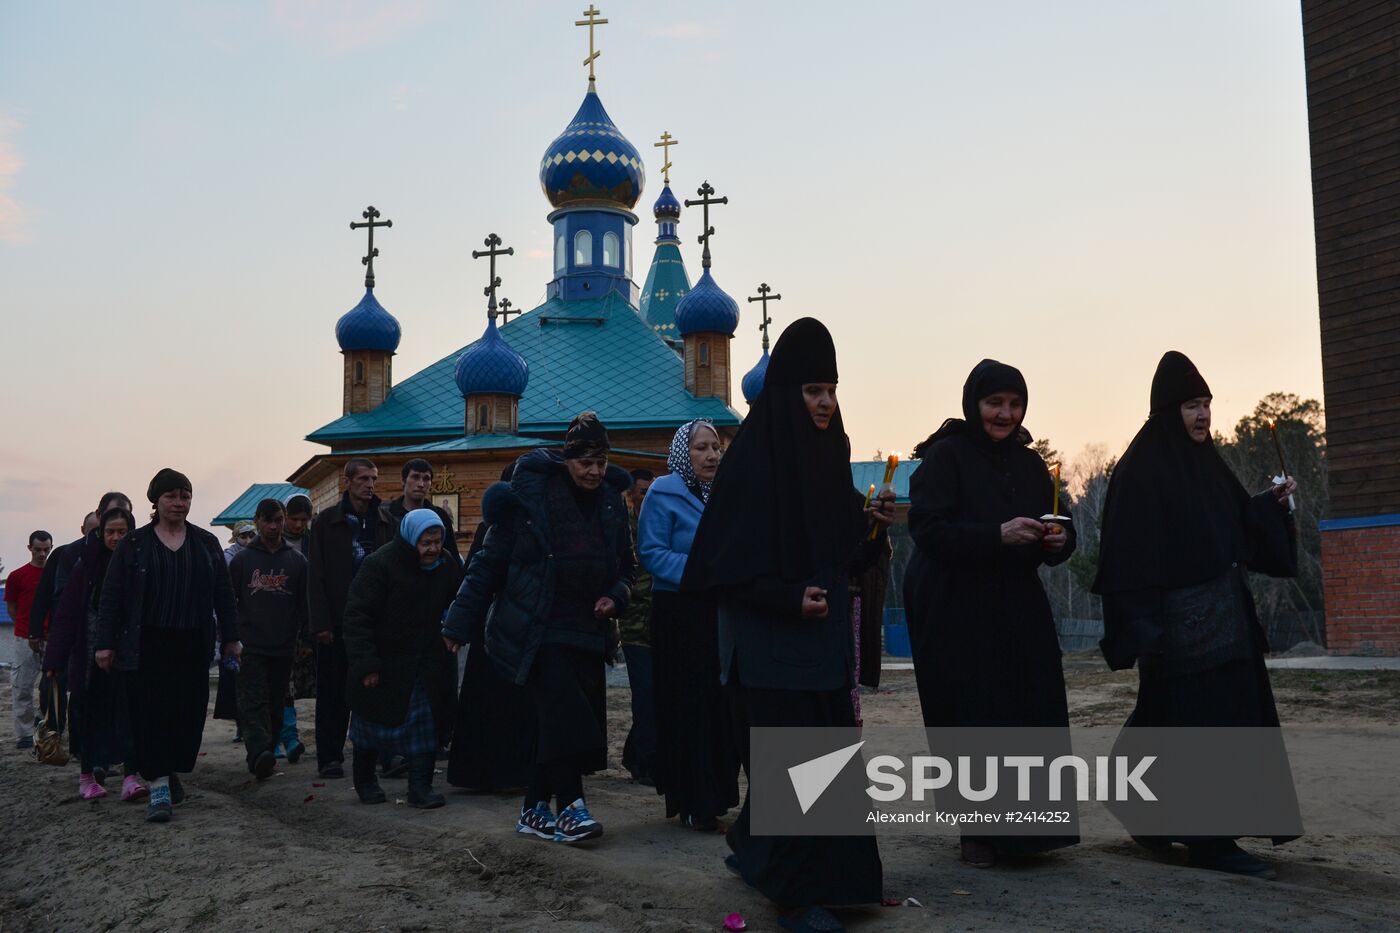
(869, 495)
(1278, 448)
(1056, 509)
(890, 464)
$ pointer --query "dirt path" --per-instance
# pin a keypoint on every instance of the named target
(291, 855)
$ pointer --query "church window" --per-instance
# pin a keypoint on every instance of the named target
(704, 353)
(583, 248)
(610, 249)
(483, 417)
(560, 257)
(359, 372)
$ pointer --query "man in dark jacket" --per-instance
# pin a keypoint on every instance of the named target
(417, 484)
(269, 588)
(341, 538)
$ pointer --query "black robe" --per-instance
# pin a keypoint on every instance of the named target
(1215, 533)
(985, 648)
(493, 742)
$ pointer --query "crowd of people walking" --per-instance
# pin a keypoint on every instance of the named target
(731, 575)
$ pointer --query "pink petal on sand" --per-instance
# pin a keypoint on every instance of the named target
(735, 922)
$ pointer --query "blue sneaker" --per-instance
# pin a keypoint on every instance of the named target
(576, 824)
(158, 809)
(538, 820)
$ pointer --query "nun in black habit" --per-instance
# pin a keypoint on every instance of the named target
(783, 531)
(985, 648)
(493, 744)
(1179, 532)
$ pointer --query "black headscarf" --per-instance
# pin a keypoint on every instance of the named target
(987, 378)
(1175, 513)
(167, 480)
(782, 504)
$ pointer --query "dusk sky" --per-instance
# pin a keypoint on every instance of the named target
(1070, 187)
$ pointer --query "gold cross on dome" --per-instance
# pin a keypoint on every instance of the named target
(667, 141)
(592, 21)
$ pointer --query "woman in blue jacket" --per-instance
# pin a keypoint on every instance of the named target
(697, 765)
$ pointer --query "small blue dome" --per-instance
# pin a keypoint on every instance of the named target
(367, 326)
(490, 366)
(707, 309)
(592, 162)
(666, 205)
(753, 380)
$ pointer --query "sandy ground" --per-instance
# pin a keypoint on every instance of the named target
(295, 853)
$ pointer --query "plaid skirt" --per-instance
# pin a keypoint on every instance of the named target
(416, 735)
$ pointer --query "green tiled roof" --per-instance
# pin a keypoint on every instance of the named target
(595, 354)
(242, 508)
(465, 442)
(667, 283)
(865, 472)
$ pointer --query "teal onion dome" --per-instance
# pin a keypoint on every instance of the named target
(707, 309)
(367, 326)
(666, 205)
(591, 162)
(753, 380)
(490, 367)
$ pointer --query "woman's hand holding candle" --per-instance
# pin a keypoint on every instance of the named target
(1286, 490)
(882, 511)
(1022, 531)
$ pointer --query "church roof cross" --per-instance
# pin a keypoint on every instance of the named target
(505, 311)
(370, 214)
(765, 297)
(704, 201)
(492, 242)
(592, 21)
(667, 141)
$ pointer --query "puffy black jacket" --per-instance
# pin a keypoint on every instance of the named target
(122, 609)
(510, 581)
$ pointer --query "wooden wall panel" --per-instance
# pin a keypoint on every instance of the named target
(1352, 52)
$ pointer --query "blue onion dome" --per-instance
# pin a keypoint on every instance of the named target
(592, 162)
(367, 326)
(667, 205)
(490, 367)
(707, 309)
(753, 380)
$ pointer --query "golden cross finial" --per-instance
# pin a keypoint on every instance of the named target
(593, 20)
(667, 141)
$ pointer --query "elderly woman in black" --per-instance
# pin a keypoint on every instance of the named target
(985, 648)
(167, 588)
(1179, 532)
(779, 538)
(558, 565)
(401, 678)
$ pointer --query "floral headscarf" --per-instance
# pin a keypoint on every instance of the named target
(678, 460)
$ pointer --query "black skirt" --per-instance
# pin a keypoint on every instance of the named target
(800, 871)
(697, 762)
(493, 742)
(169, 697)
(567, 688)
(104, 722)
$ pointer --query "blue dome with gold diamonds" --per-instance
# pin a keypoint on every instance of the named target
(707, 309)
(490, 367)
(367, 326)
(753, 380)
(591, 162)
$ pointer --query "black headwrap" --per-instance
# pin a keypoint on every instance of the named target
(165, 481)
(586, 437)
(1175, 513)
(987, 378)
(782, 504)
(1176, 381)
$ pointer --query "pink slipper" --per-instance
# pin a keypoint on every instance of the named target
(133, 789)
(89, 789)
